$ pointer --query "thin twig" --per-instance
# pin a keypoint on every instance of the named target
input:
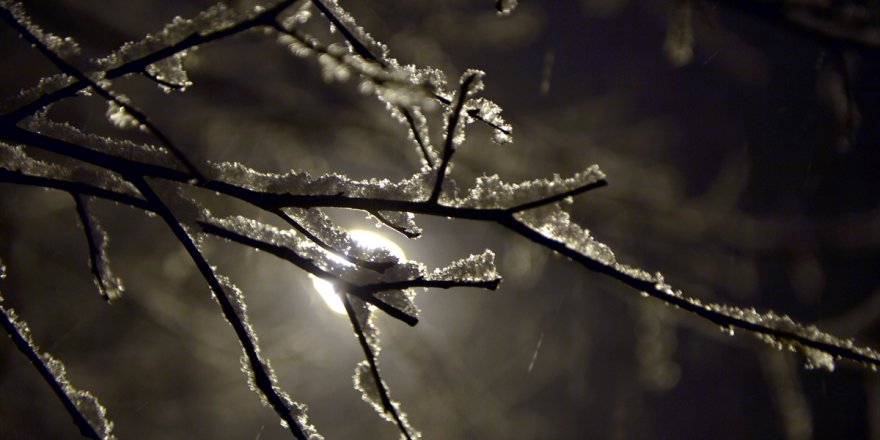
(69, 69)
(384, 220)
(378, 266)
(449, 146)
(501, 216)
(309, 266)
(94, 250)
(83, 423)
(261, 377)
(374, 368)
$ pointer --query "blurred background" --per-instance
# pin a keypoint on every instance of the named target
(740, 171)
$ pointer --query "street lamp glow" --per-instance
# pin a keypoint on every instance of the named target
(366, 239)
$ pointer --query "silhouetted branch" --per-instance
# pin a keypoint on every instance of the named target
(262, 378)
(374, 368)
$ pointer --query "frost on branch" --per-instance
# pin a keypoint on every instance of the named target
(296, 410)
(109, 285)
(820, 349)
(317, 223)
(169, 73)
(65, 48)
(492, 192)
(340, 18)
(214, 18)
(403, 222)
(116, 147)
(367, 378)
(47, 85)
(365, 383)
(14, 159)
(479, 267)
(88, 413)
(119, 116)
(302, 183)
(490, 112)
(554, 223)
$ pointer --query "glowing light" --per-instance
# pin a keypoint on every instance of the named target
(366, 239)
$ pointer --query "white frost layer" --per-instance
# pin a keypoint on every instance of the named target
(13, 158)
(492, 192)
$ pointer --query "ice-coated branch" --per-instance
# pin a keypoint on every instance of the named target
(262, 377)
(307, 265)
(337, 15)
(140, 64)
(378, 266)
(820, 349)
(109, 285)
(726, 317)
(722, 316)
(387, 406)
(87, 413)
(125, 108)
(454, 133)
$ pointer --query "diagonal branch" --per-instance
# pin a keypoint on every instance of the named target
(69, 69)
(309, 266)
(262, 378)
(97, 257)
(501, 216)
(557, 197)
(450, 144)
(378, 266)
(27, 349)
(725, 317)
(374, 368)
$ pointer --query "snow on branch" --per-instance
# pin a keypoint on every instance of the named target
(109, 285)
(151, 178)
(88, 414)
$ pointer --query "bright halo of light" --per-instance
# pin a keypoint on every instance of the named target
(366, 239)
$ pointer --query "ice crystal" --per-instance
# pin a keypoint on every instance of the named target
(116, 147)
(109, 285)
(169, 73)
(479, 267)
(119, 116)
(85, 402)
(492, 192)
(47, 85)
(365, 383)
(555, 224)
(14, 159)
(65, 48)
(215, 18)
